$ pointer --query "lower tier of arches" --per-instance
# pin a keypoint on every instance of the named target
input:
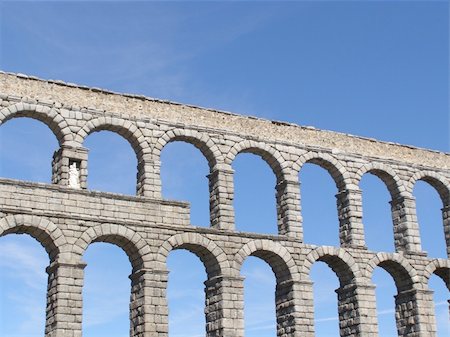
(148, 247)
(224, 306)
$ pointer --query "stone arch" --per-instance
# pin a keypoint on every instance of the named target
(440, 184)
(390, 178)
(270, 155)
(404, 275)
(213, 257)
(200, 140)
(334, 167)
(49, 116)
(439, 267)
(42, 229)
(122, 127)
(136, 248)
(276, 255)
(339, 260)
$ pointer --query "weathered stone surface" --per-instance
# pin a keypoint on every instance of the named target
(66, 220)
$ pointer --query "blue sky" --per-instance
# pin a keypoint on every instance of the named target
(372, 68)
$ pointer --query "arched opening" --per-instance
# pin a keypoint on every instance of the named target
(336, 296)
(377, 217)
(384, 292)
(215, 291)
(259, 298)
(429, 217)
(106, 291)
(326, 317)
(285, 303)
(441, 301)
(186, 294)
(26, 149)
(395, 301)
(112, 163)
(318, 190)
(254, 195)
(184, 176)
(23, 286)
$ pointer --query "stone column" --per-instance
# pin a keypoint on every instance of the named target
(357, 311)
(414, 312)
(221, 195)
(64, 299)
(406, 229)
(148, 303)
(295, 308)
(288, 207)
(351, 230)
(446, 222)
(148, 182)
(224, 306)
(69, 165)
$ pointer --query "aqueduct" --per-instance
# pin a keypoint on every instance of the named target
(65, 217)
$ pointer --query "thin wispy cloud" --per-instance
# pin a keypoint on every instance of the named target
(258, 316)
(261, 327)
(32, 306)
(24, 263)
(138, 57)
(259, 275)
(151, 56)
(187, 335)
(178, 293)
(326, 319)
(186, 314)
(104, 309)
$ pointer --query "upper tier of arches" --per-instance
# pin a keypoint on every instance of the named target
(148, 140)
(221, 152)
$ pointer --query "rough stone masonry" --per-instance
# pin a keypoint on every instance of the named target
(65, 217)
